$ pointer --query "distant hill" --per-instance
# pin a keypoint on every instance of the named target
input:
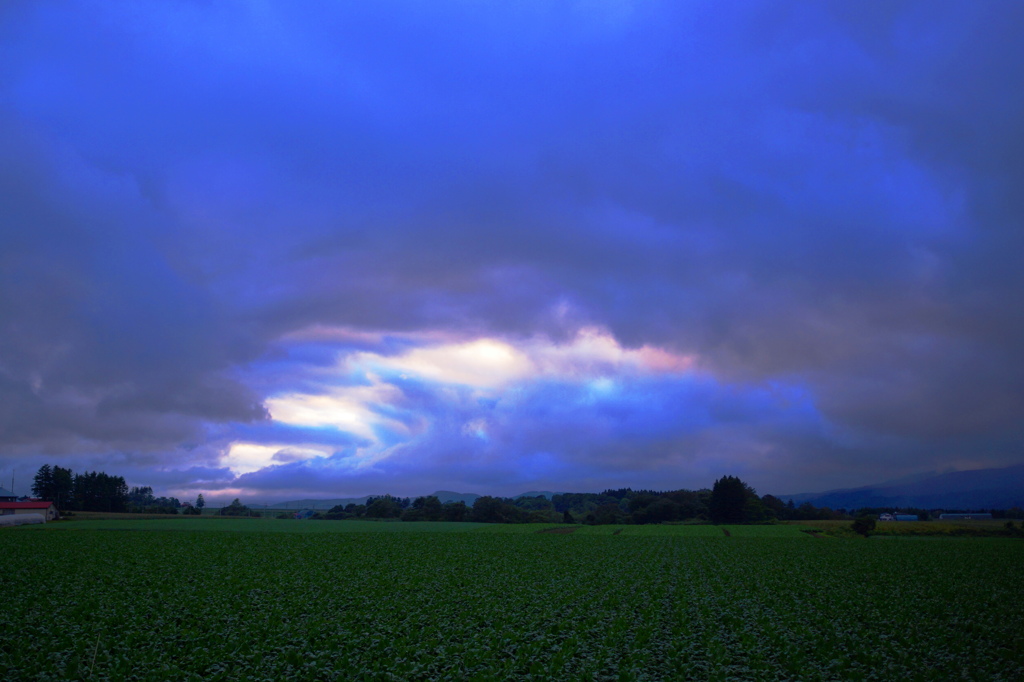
(1001, 488)
(449, 496)
(319, 504)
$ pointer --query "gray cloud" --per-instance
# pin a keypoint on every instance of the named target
(819, 196)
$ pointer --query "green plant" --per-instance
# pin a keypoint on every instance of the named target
(863, 525)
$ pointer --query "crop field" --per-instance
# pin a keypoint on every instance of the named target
(985, 528)
(94, 602)
(256, 525)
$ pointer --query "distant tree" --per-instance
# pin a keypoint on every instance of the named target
(534, 503)
(567, 517)
(385, 507)
(607, 514)
(200, 503)
(691, 503)
(489, 509)
(432, 510)
(754, 511)
(42, 482)
(236, 508)
(140, 498)
(97, 491)
(63, 487)
(775, 506)
(337, 513)
(641, 501)
(455, 511)
(660, 510)
(729, 498)
(412, 514)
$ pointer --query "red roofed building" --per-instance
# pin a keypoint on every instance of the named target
(47, 509)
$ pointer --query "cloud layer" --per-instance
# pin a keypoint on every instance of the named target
(278, 247)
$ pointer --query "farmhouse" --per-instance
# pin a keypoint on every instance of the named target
(47, 509)
(6, 495)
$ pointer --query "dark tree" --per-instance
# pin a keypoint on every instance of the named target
(659, 511)
(489, 509)
(140, 498)
(432, 510)
(385, 507)
(729, 498)
(236, 508)
(863, 525)
(455, 511)
(607, 514)
(42, 483)
(63, 487)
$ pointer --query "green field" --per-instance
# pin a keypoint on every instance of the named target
(256, 525)
(161, 600)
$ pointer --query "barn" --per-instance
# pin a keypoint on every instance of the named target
(47, 509)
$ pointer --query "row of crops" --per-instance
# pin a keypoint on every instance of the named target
(191, 605)
(293, 526)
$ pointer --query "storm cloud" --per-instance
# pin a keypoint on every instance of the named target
(400, 246)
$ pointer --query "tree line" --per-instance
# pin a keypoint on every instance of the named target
(97, 491)
(730, 500)
(89, 491)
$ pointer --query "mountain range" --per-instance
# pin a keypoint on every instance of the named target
(1001, 488)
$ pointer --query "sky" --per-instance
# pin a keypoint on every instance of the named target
(280, 250)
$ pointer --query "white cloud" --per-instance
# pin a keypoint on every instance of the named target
(243, 458)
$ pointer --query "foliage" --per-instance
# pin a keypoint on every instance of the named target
(55, 484)
(863, 525)
(236, 508)
(733, 501)
(141, 500)
(435, 605)
(385, 507)
(489, 509)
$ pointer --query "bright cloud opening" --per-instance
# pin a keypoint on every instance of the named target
(484, 363)
(491, 363)
(244, 458)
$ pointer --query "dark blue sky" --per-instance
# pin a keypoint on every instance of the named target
(290, 249)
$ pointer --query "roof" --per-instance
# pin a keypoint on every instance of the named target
(4, 492)
(38, 504)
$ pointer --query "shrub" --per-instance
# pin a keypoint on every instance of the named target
(863, 525)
